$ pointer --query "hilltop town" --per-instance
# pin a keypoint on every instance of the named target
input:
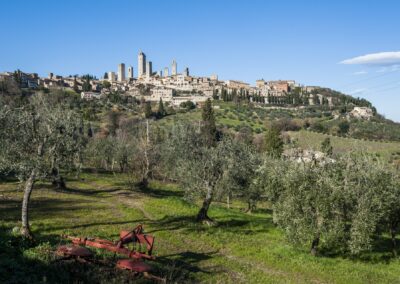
(174, 87)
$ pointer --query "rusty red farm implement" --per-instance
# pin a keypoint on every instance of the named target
(135, 245)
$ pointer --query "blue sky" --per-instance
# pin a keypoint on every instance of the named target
(244, 40)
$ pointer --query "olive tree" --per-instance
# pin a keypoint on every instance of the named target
(34, 138)
(100, 152)
(341, 205)
(372, 195)
(242, 164)
(145, 151)
(391, 216)
(308, 207)
(203, 171)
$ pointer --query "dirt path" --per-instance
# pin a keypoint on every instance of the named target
(131, 199)
(135, 200)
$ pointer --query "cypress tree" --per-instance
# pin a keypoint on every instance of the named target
(147, 110)
(273, 142)
(161, 110)
(209, 130)
(326, 147)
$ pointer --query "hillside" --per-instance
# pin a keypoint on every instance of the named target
(242, 248)
(312, 140)
(112, 163)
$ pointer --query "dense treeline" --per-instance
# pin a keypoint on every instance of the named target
(342, 205)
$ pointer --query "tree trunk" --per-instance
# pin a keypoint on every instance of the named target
(58, 180)
(25, 229)
(146, 172)
(203, 213)
(144, 183)
(251, 206)
(228, 201)
(78, 170)
(248, 207)
(314, 245)
(393, 237)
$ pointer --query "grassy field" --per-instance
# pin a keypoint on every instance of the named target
(312, 140)
(241, 248)
(226, 116)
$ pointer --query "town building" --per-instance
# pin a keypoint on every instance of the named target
(176, 101)
(160, 93)
(90, 95)
(214, 77)
(261, 83)
(279, 86)
(362, 113)
(111, 76)
(237, 84)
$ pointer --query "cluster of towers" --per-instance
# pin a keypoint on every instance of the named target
(145, 69)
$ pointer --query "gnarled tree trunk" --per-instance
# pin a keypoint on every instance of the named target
(58, 180)
(314, 245)
(203, 213)
(393, 238)
(25, 229)
(251, 206)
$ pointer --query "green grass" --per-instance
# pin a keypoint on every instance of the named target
(226, 116)
(241, 248)
(312, 140)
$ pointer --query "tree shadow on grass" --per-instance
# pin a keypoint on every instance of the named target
(88, 192)
(262, 211)
(381, 252)
(151, 191)
(10, 209)
(182, 267)
(246, 226)
(189, 223)
(23, 262)
(132, 224)
(73, 190)
(97, 171)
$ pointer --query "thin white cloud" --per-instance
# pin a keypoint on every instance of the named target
(380, 58)
(357, 91)
(392, 68)
(360, 72)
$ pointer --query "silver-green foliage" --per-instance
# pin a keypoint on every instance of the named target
(337, 205)
(37, 138)
(204, 171)
(39, 135)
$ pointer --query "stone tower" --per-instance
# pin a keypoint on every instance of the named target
(130, 72)
(141, 64)
(174, 67)
(121, 72)
(149, 69)
(111, 76)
